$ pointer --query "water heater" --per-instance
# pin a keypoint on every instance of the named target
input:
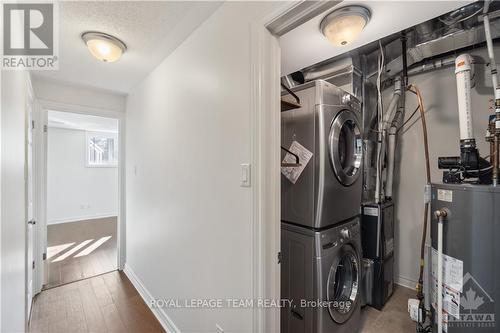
(471, 257)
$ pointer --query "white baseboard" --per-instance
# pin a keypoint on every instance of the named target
(159, 313)
(81, 218)
(406, 282)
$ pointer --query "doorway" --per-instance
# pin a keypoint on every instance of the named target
(82, 196)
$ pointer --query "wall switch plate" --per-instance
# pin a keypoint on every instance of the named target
(245, 175)
(219, 329)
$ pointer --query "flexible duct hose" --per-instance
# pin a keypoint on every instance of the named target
(416, 91)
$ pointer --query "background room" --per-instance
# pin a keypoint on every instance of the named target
(82, 196)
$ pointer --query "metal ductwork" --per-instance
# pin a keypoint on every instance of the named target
(343, 72)
(453, 31)
(438, 43)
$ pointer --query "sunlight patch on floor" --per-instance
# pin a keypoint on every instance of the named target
(56, 249)
(84, 246)
(73, 250)
(94, 246)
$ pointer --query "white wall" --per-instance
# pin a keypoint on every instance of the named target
(189, 223)
(440, 100)
(13, 224)
(77, 95)
(74, 191)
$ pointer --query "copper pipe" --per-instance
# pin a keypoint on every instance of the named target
(415, 90)
(419, 287)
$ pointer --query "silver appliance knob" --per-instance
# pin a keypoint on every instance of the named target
(345, 233)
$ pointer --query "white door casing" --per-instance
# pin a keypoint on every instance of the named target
(266, 151)
(31, 227)
(42, 107)
(266, 142)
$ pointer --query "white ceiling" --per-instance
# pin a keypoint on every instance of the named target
(82, 122)
(305, 45)
(151, 30)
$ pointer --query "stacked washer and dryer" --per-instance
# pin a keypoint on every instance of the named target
(320, 229)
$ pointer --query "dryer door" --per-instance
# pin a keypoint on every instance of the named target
(343, 285)
(345, 145)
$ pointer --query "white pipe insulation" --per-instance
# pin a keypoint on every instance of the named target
(489, 45)
(493, 65)
(391, 151)
(463, 72)
(381, 144)
(491, 55)
(393, 103)
(494, 79)
(441, 215)
(391, 142)
(440, 277)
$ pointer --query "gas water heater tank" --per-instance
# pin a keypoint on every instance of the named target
(471, 248)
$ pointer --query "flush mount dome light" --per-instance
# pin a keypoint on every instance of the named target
(344, 25)
(104, 47)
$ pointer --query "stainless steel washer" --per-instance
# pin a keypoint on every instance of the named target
(329, 189)
(321, 276)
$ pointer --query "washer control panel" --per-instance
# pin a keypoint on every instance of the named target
(340, 235)
(345, 233)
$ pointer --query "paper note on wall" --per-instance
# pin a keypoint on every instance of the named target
(292, 173)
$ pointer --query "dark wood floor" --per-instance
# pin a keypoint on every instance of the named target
(79, 250)
(105, 303)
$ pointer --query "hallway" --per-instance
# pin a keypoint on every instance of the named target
(105, 303)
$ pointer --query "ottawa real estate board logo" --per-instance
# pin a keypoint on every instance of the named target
(29, 36)
(477, 308)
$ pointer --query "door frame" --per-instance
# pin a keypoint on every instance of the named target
(30, 286)
(265, 62)
(43, 105)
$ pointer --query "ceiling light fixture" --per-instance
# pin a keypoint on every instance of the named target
(343, 25)
(104, 47)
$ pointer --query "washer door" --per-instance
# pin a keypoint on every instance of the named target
(346, 147)
(343, 285)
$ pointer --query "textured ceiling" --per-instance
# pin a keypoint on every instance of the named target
(82, 122)
(151, 30)
(305, 45)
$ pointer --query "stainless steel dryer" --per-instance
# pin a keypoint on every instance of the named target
(329, 189)
(321, 275)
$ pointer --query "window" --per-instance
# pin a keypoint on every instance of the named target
(102, 149)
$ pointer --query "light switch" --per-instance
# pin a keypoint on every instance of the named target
(245, 175)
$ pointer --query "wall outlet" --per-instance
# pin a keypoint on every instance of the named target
(219, 329)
